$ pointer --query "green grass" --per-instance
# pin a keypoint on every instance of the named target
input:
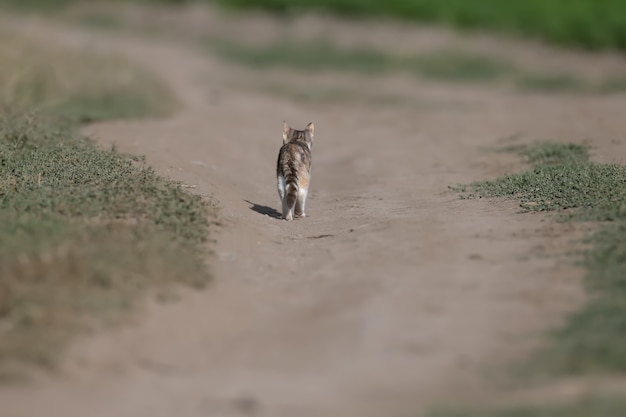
(40, 5)
(562, 179)
(309, 56)
(51, 6)
(593, 340)
(444, 65)
(99, 19)
(84, 232)
(555, 153)
(344, 95)
(452, 65)
(552, 83)
(447, 65)
(612, 85)
(592, 407)
(592, 24)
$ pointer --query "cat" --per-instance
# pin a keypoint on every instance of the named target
(293, 170)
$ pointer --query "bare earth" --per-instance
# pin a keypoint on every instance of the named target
(392, 297)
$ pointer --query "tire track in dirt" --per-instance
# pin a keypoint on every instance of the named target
(392, 296)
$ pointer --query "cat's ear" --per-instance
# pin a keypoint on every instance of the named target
(286, 132)
(310, 128)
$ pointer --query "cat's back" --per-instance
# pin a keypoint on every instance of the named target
(294, 157)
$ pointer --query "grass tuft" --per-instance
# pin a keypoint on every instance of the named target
(49, 170)
(82, 233)
(593, 341)
(555, 153)
(563, 179)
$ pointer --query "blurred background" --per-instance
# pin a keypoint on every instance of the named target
(454, 77)
(423, 39)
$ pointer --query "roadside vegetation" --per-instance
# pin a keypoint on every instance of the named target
(444, 65)
(84, 232)
(590, 407)
(589, 24)
(563, 180)
(100, 88)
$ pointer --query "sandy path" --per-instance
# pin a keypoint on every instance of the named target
(392, 296)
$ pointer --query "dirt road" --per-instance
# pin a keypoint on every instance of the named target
(393, 296)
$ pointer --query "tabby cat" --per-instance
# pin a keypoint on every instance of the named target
(293, 170)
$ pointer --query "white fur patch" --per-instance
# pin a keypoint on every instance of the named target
(281, 186)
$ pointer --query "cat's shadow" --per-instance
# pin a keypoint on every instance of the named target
(265, 210)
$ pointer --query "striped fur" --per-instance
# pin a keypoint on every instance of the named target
(293, 170)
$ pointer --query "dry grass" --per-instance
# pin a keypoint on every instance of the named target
(77, 85)
(84, 232)
(592, 343)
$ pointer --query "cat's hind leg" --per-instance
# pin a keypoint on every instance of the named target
(287, 211)
(301, 202)
(290, 201)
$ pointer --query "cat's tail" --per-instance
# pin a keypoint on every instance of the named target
(291, 195)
